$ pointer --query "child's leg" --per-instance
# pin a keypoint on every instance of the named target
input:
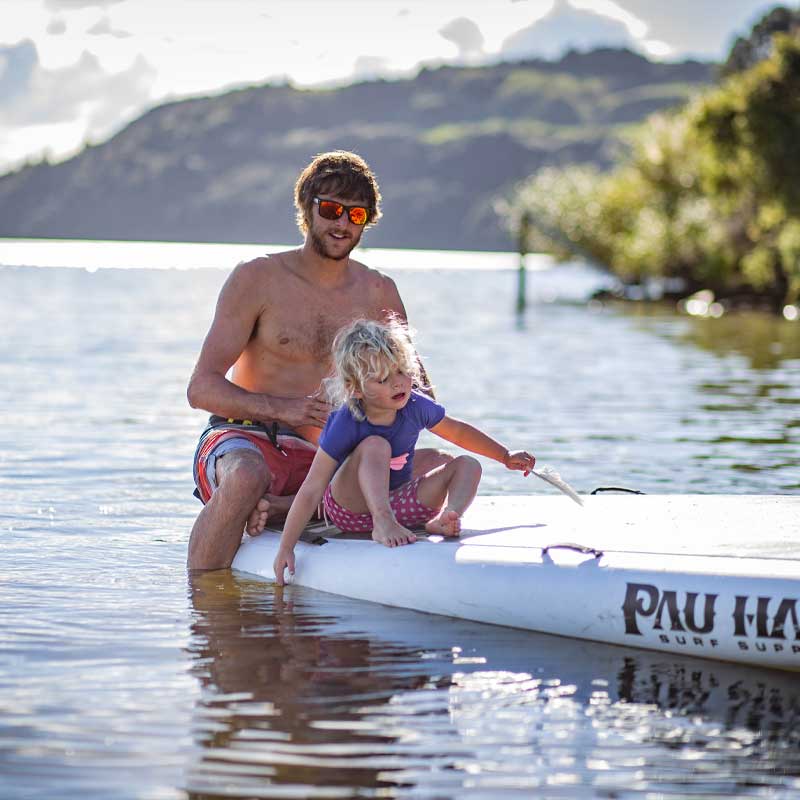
(456, 483)
(362, 484)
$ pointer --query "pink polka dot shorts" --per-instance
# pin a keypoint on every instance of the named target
(407, 508)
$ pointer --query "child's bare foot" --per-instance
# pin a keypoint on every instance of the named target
(446, 523)
(270, 507)
(392, 534)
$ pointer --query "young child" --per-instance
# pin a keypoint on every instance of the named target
(367, 448)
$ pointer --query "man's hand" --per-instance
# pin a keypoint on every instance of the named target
(284, 559)
(299, 411)
(520, 460)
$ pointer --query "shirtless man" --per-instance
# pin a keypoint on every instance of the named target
(274, 323)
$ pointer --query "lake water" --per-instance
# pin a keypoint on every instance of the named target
(120, 678)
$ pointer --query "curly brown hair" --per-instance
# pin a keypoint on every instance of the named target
(341, 174)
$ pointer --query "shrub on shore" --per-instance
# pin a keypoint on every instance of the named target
(709, 195)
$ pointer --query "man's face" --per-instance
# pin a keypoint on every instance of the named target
(334, 238)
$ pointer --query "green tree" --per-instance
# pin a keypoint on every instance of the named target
(747, 51)
(709, 194)
(749, 131)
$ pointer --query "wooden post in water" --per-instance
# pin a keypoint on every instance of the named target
(524, 229)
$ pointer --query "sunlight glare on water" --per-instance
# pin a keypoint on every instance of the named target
(91, 256)
(121, 678)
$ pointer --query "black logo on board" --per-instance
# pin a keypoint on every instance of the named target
(691, 618)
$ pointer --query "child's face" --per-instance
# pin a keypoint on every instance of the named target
(391, 393)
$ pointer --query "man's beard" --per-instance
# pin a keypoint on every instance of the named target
(321, 247)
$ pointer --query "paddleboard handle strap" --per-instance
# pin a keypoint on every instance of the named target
(579, 548)
(601, 489)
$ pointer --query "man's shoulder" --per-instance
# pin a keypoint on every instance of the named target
(262, 269)
(373, 278)
(266, 264)
(363, 269)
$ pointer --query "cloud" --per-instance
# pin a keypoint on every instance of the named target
(17, 64)
(465, 35)
(703, 29)
(369, 67)
(103, 28)
(56, 27)
(567, 28)
(33, 96)
(59, 5)
(56, 111)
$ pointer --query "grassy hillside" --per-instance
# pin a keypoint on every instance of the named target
(445, 145)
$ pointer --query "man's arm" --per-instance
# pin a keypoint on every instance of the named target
(393, 305)
(239, 307)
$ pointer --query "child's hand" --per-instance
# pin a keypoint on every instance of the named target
(521, 460)
(285, 558)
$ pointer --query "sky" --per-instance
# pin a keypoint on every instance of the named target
(77, 71)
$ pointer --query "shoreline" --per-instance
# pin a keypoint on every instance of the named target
(702, 303)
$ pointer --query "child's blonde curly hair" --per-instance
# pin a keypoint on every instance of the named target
(368, 349)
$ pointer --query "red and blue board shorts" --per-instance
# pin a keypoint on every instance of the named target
(288, 457)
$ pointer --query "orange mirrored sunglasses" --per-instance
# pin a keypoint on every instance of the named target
(330, 209)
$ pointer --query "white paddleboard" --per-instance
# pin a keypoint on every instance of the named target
(706, 575)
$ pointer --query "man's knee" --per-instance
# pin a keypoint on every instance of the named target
(243, 472)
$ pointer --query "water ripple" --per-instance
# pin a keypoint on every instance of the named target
(119, 680)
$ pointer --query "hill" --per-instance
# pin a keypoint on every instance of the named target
(444, 145)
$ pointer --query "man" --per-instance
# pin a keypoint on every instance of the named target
(274, 323)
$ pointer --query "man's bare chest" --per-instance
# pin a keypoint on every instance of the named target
(304, 332)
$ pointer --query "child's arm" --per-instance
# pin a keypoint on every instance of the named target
(305, 502)
(470, 438)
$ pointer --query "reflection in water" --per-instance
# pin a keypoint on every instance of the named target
(306, 694)
(332, 696)
(765, 340)
(267, 668)
(743, 423)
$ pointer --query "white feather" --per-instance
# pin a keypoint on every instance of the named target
(552, 477)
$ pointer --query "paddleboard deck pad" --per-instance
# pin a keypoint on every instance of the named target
(715, 576)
